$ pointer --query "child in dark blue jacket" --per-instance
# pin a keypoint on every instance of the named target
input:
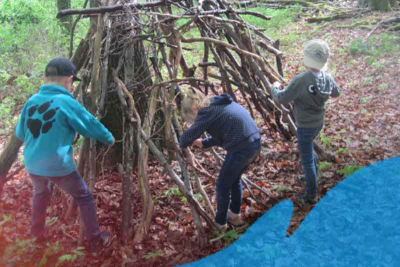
(47, 126)
(230, 126)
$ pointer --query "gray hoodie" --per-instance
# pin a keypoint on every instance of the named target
(309, 91)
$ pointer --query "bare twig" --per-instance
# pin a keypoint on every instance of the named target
(373, 30)
(246, 180)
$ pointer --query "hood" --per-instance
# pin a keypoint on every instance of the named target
(223, 99)
(53, 89)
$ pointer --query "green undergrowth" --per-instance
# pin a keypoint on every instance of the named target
(281, 19)
(377, 45)
(196, 52)
(30, 35)
(13, 100)
(380, 50)
(349, 169)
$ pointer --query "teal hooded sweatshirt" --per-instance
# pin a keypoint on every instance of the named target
(48, 124)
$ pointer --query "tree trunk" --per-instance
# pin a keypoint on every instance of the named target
(138, 78)
(394, 3)
(132, 68)
(379, 5)
(80, 56)
(148, 205)
(67, 20)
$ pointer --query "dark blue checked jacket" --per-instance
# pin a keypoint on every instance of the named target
(229, 124)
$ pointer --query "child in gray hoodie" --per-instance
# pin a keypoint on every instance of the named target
(309, 91)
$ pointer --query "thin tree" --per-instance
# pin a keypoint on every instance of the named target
(67, 20)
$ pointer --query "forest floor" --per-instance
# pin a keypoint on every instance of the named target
(362, 127)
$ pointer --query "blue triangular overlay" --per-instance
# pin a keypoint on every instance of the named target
(357, 223)
(260, 243)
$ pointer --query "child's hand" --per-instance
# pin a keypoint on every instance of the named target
(277, 84)
(113, 143)
(198, 143)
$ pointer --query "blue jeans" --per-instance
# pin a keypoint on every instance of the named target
(72, 184)
(229, 184)
(305, 139)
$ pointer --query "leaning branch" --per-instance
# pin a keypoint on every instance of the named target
(161, 158)
(108, 9)
(178, 80)
(219, 42)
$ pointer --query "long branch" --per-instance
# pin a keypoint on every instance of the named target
(161, 158)
(177, 81)
(109, 9)
(219, 42)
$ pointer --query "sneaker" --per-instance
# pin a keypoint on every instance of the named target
(301, 178)
(303, 200)
(98, 246)
(221, 228)
(40, 240)
(235, 219)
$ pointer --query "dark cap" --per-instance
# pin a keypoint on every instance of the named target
(61, 67)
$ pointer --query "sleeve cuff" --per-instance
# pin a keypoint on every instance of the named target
(208, 142)
(110, 140)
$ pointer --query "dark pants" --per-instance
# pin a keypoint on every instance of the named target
(73, 185)
(305, 139)
(229, 184)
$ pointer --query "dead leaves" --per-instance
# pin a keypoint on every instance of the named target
(363, 122)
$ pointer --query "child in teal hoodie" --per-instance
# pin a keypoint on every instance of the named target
(47, 126)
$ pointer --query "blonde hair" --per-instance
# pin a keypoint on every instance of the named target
(193, 98)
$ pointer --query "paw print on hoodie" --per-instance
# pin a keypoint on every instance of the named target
(44, 123)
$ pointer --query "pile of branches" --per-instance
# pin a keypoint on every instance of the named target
(238, 59)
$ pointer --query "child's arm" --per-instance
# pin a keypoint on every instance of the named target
(209, 142)
(86, 124)
(335, 89)
(290, 93)
(20, 129)
(203, 120)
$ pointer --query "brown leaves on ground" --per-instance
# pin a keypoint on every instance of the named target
(362, 127)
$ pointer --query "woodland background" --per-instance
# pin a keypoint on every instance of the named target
(152, 217)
